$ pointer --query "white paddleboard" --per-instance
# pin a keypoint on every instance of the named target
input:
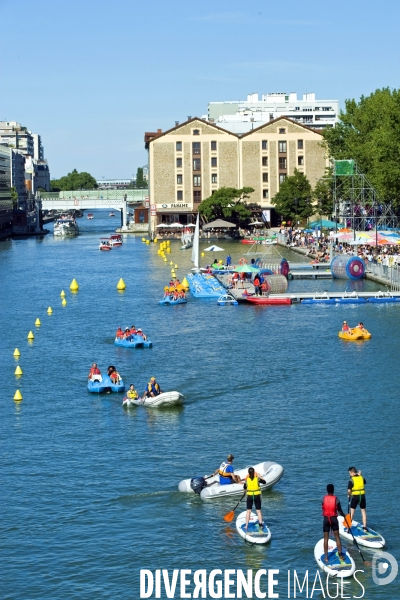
(254, 533)
(370, 538)
(336, 567)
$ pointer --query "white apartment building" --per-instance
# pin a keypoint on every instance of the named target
(241, 116)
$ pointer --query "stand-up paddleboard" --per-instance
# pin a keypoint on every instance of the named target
(336, 567)
(254, 533)
(370, 538)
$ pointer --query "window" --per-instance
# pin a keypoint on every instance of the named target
(179, 163)
(197, 196)
(179, 179)
(214, 161)
(282, 146)
(282, 130)
(196, 180)
(265, 161)
(264, 145)
(214, 178)
(179, 146)
(196, 131)
(282, 162)
(300, 160)
(265, 193)
(282, 177)
(265, 177)
(271, 116)
(196, 164)
(179, 195)
(213, 146)
(196, 147)
(299, 144)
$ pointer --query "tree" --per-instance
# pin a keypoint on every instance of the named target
(140, 180)
(74, 181)
(294, 198)
(227, 203)
(14, 196)
(323, 196)
(369, 133)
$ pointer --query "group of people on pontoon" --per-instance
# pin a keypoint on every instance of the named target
(95, 374)
(152, 390)
(174, 293)
(128, 333)
(346, 328)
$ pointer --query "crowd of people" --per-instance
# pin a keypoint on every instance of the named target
(128, 333)
(175, 290)
(152, 390)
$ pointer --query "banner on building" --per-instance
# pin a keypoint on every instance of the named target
(266, 216)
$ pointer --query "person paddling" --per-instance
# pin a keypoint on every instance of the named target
(330, 509)
(252, 486)
(356, 493)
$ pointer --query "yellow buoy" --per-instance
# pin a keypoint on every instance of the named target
(30, 335)
(37, 323)
(64, 302)
(202, 254)
(147, 242)
(155, 240)
(176, 266)
(74, 287)
(16, 352)
(168, 243)
(49, 311)
(18, 371)
(143, 239)
(121, 285)
(62, 295)
(169, 250)
(171, 263)
(17, 396)
(165, 259)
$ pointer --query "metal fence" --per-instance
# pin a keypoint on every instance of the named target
(390, 274)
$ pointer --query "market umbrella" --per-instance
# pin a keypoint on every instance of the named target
(162, 225)
(257, 223)
(219, 223)
(246, 269)
(191, 225)
(213, 249)
(345, 230)
(323, 223)
(176, 225)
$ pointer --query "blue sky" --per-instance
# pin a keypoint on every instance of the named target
(91, 76)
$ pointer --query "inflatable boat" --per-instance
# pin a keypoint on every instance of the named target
(354, 334)
(168, 300)
(209, 488)
(266, 300)
(254, 534)
(370, 538)
(105, 385)
(227, 300)
(135, 341)
(335, 567)
(164, 399)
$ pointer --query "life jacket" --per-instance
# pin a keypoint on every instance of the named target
(256, 281)
(329, 506)
(154, 387)
(345, 328)
(253, 487)
(132, 394)
(133, 331)
(222, 472)
(114, 376)
(139, 333)
(119, 333)
(358, 485)
(94, 371)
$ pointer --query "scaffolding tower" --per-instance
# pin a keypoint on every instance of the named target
(356, 203)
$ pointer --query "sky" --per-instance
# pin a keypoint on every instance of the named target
(91, 76)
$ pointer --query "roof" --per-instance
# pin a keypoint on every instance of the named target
(276, 121)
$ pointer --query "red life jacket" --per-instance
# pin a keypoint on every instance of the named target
(119, 333)
(94, 371)
(133, 332)
(329, 506)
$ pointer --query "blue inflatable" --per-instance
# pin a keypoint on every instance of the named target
(134, 341)
(105, 385)
(352, 267)
(169, 301)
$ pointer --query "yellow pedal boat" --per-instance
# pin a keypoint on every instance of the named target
(355, 334)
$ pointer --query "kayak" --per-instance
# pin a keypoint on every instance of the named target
(370, 538)
(354, 334)
(210, 488)
(169, 301)
(136, 341)
(164, 399)
(335, 567)
(254, 533)
(105, 385)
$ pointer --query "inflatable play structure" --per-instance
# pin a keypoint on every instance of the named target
(348, 267)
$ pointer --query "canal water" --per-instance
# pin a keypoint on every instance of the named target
(89, 490)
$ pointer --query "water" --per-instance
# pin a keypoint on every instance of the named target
(89, 490)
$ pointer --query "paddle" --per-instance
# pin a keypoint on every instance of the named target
(230, 515)
(348, 522)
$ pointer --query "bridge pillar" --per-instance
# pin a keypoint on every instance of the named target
(124, 214)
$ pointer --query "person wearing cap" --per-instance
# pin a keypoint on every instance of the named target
(127, 333)
(153, 389)
(345, 327)
(140, 332)
(226, 473)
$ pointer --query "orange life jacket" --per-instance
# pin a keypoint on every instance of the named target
(94, 371)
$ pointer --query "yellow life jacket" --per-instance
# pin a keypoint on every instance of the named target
(132, 394)
(253, 487)
(358, 485)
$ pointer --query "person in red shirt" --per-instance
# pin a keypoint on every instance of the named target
(330, 509)
(345, 327)
(94, 373)
(120, 333)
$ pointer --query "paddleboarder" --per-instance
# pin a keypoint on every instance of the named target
(330, 509)
(253, 490)
(356, 493)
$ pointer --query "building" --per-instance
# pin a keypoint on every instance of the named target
(38, 150)
(16, 136)
(244, 115)
(6, 203)
(190, 161)
(18, 175)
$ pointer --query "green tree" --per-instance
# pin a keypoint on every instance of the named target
(74, 181)
(369, 133)
(140, 180)
(294, 199)
(14, 196)
(227, 203)
(323, 195)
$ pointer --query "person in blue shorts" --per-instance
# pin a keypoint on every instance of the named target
(225, 472)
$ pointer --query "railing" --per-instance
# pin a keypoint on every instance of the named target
(391, 274)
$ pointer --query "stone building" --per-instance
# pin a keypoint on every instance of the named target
(6, 204)
(190, 161)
